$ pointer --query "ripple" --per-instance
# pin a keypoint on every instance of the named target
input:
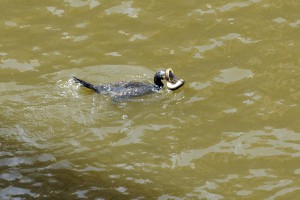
(252, 98)
(16, 161)
(271, 142)
(218, 42)
(230, 6)
(125, 8)
(201, 12)
(122, 190)
(11, 176)
(81, 3)
(295, 24)
(81, 25)
(255, 173)
(279, 20)
(167, 196)
(203, 48)
(67, 36)
(273, 185)
(10, 191)
(224, 8)
(10, 23)
(237, 36)
(233, 74)
(230, 110)
(139, 180)
(63, 164)
(134, 135)
(81, 194)
(205, 191)
(138, 37)
(283, 192)
(13, 86)
(80, 38)
(115, 54)
(200, 86)
(55, 11)
(21, 66)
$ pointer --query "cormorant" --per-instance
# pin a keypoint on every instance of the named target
(127, 90)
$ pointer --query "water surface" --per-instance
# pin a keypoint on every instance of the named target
(231, 132)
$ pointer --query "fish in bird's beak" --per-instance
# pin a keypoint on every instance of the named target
(173, 83)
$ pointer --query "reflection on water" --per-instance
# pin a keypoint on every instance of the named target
(230, 132)
(254, 144)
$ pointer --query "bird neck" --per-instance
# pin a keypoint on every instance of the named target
(158, 83)
(158, 80)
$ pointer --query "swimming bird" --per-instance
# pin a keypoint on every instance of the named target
(128, 90)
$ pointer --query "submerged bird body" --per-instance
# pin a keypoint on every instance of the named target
(124, 89)
(128, 90)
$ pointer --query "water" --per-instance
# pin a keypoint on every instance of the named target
(231, 132)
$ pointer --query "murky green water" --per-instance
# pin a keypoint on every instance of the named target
(231, 132)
